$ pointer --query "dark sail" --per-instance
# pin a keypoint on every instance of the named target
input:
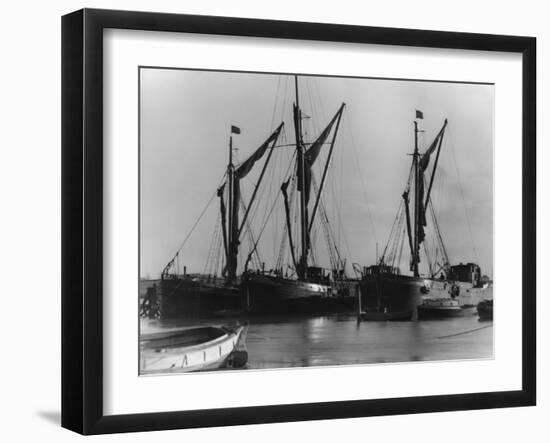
(423, 164)
(240, 173)
(311, 155)
(246, 166)
(425, 159)
(422, 223)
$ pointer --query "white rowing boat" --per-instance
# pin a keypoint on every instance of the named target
(193, 349)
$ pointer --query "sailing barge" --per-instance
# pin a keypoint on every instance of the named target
(384, 289)
(311, 290)
(196, 296)
(308, 288)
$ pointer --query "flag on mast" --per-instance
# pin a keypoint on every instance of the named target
(237, 130)
(419, 114)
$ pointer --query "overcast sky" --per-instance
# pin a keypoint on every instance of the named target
(185, 122)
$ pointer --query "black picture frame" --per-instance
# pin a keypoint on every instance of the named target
(82, 218)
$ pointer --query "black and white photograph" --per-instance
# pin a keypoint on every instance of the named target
(275, 221)
(290, 221)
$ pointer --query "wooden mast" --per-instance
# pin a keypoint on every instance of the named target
(230, 239)
(416, 201)
(302, 266)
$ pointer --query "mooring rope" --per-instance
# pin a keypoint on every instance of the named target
(466, 332)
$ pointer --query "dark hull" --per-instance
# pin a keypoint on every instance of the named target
(391, 293)
(432, 312)
(180, 298)
(401, 293)
(270, 294)
(485, 310)
(386, 316)
(255, 294)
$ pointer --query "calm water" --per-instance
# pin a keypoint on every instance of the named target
(340, 339)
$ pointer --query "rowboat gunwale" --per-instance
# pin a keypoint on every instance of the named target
(198, 347)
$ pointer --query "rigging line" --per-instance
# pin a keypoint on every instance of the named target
(436, 256)
(210, 250)
(249, 230)
(275, 102)
(338, 255)
(463, 198)
(339, 178)
(264, 218)
(261, 192)
(333, 193)
(296, 226)
(426, 239)
(331, 246)
(435, 228)
(403, 236)
(291, 199)
(285, 96)
(319, 97)
(324, 213)
(338, 206)
(198, 219)
(277, 220)
(215, 253)
(363, 186)
(314, 122)
(293, 145)
(428, 258)
(316, 99)
(391, 236)
(219, 254)
(326, 227)
(438, 245)
(271, 126)
(438, 233)
(269, 191)
(265, 224)
(284, 239)
(285, 230)
(336, 192)
(216, 264)
(312, 248)
(401, 206)
(309, 125)
(254, 211)
(396, 235)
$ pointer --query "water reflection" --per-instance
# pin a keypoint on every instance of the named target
(340, 340)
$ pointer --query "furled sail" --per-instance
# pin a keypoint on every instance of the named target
(243, 170)
(239, 173)
(246, 166)
(422, 167)
(311, 155)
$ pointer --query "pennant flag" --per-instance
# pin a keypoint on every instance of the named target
(237, 130)
(419, 114)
